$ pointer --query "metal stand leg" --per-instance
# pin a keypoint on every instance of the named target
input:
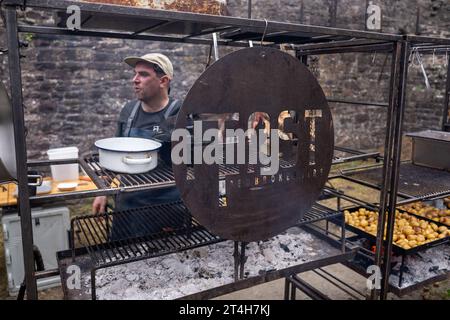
(445, 114)
(309, 290)
(242, 260)
(293, 292)
(21, 151)
(236, 260)
(391, 164)
(93, 292)
(404, 48)
(108, 231)
(239, 260)
(402, 268)
(343, 239)
(287, 288)
(72, 239)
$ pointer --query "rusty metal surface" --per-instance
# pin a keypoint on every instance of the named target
(217, 7)
(249, 206)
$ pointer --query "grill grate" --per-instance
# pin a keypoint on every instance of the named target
(415, 181)
(161, 176)
(181, 233)
(94, 233)
(317, 213)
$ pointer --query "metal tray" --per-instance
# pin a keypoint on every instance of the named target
(425, 218)
(395, 248)
(431, 149)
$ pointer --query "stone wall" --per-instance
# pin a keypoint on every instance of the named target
(74, 88)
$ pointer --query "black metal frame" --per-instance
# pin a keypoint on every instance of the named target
(107, 182)
(400, 54)
(328, 40)
(93, 231)
(294, 283)
(345, 253)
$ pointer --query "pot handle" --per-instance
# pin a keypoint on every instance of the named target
(39, 179)
(132, 161)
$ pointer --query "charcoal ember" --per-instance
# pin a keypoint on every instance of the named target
(434, 269)
(203, 273)
(284, 247)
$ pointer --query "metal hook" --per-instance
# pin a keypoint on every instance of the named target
(374, 57)
(208, 61)
(414, 53)
(265, 30)
(419, 59)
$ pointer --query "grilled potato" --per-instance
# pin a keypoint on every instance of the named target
(409, 231)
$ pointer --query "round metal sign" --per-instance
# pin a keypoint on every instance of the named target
(253, 144)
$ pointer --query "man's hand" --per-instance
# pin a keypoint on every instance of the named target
(99, 205)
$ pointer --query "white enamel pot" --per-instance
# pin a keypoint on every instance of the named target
(128, 155)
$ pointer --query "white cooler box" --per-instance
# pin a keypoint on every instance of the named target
(50, 234)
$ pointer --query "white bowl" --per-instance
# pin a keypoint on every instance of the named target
(67, 186)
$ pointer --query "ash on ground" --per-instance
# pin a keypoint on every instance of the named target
(180, 274)
(422, 266)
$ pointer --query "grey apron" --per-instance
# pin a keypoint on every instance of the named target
(133, 223)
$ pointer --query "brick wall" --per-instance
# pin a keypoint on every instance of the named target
(74, 88)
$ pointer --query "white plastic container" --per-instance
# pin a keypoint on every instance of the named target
(64, 172)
